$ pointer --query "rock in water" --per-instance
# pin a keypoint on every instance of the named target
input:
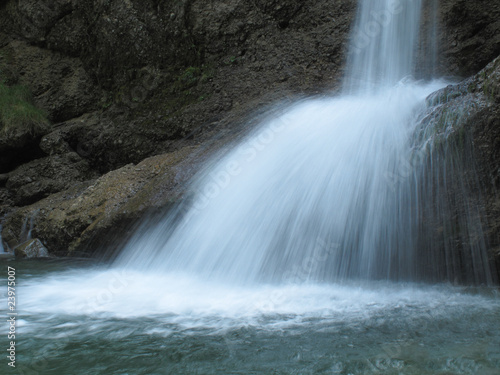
(31, 249)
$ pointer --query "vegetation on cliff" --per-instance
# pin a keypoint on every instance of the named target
(18, 113)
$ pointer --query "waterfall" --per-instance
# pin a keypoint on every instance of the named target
(326, 191)
(383, 44)
(27, 229)
(2, 250)
(286, 255)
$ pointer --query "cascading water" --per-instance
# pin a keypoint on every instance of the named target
(311, 194)
(244, 277)
(311, 186)
(384, 45)
(2, 250)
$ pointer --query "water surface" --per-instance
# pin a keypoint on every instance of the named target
(87, 319)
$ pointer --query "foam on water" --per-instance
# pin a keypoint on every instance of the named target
(189, 302)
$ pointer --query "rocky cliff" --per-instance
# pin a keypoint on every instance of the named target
(460, 179)
(122, 81)
(137, 94)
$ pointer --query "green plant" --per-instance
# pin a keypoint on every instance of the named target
(17, 111)
(232, 60)
(203, 97)
(190, 76)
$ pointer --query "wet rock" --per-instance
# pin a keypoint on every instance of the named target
(31, 249)
(89, 213)
(467, 141)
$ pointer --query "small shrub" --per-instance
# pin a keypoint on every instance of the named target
(190, 76)
(17, 111)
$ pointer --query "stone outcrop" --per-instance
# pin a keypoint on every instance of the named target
(85, 215)
(122, 81)
(460, 215)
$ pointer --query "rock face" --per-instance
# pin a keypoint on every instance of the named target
(127, 80)
(87, 215)
(460, 214)
(486, 140)
(41, 177)
(469, 37)
(123, 81)
(59, 83)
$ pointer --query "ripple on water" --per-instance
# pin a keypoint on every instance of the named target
(103, 321)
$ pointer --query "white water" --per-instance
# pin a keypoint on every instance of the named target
(307, 199)
(310, 195)
(189, 302)
(383, 44)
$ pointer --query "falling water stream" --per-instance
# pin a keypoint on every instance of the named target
(298, 252)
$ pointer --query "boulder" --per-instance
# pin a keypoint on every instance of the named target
(31, 249)
(91, 215)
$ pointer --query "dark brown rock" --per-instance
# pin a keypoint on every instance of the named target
(90, 212)
(469, 35)
(41, 177)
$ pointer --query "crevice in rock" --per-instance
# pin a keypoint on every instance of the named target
(10, 160)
